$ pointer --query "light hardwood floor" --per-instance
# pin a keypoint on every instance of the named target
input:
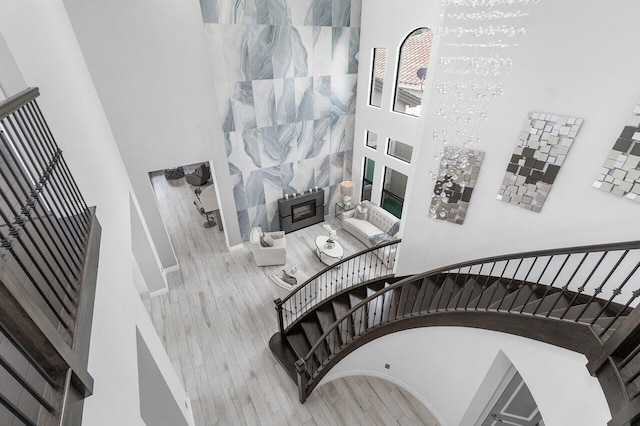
(216, 322)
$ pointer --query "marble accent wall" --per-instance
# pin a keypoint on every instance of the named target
(285, 75)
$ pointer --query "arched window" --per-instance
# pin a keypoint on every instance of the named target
(412, 71)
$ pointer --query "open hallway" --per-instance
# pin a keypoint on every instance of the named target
(217, 319)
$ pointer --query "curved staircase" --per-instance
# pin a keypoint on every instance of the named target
(581, 299)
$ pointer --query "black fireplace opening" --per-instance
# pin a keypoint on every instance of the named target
(303, 211)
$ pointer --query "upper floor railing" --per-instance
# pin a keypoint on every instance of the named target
(372, 263)
(583, 298)
(49, 243)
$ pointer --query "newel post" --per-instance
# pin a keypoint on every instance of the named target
(301, 368)
(278, 303)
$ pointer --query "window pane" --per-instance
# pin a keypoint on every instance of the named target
(400, 150)
(367, 178)
(393, 191)
(377, 76)
(372, 140)
(412, 70)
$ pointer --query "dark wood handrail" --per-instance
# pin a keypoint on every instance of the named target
(17, 101)
(335, 265)
(571, 250)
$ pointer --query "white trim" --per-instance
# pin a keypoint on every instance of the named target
(173, 268)
(236, 247)
(400, 383)
(160, 292)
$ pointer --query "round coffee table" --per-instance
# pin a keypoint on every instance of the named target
(328, 256)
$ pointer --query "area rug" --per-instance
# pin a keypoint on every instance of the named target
(291, 269)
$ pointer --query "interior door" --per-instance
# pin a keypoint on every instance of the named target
(515, 406)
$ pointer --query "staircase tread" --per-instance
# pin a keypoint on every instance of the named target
(493, 292)
(470, 290)
(557, 298)
(299, 343)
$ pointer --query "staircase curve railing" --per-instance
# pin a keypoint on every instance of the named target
(591, 289)
(369, 264)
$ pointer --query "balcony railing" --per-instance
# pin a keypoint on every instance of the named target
(372, 263)
(49, 243)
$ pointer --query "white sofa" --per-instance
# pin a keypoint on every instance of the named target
(266, 256)
(379, 227)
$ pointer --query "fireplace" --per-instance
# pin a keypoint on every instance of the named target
(301, 211)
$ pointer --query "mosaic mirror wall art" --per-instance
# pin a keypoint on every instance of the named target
(542, 148)
(457, 175)
(620, 174)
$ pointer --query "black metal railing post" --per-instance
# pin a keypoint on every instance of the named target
(303, 380)
(278, 303)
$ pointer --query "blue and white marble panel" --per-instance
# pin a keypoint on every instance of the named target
(245, 150)
(264, 101)
(322, 97)
(279, 13)
(258, 217)
(245, 224)
(288, 171)
(340, 39)
(299, 10)
(348, 165)
(304, 99)
(356, 13)
(302, 49)
(209, 10)
(341, 13)
(244, 113)
(354, 50)
(332, 196)
(337, 168)
(322, 15)
(272, 178)
(282, 60)
(342, 129)
(322, 37)
(285, 100)
(239, 195)
(261, 41)
(270, 148)
(231, 11)
(321, 137)
(253, 187)
(305, 175)
(236, 52)
(322, 170)
(343, 94)
(228, 147)
(305, 140)
(288, 135)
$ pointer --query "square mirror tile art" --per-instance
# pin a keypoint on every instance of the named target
(620, 174)
(456, 179)
(542, 148)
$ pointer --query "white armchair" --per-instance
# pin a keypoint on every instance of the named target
(266, 256)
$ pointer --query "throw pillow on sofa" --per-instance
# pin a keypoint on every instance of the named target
(361, 213)
(266, 241)
(289, 279)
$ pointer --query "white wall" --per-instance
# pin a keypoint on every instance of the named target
(574, 60)
(47, 53)
(385, 25)
(145, 256)
(445, 366)
(149, 63)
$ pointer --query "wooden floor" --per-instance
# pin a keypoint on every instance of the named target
(216, 322)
